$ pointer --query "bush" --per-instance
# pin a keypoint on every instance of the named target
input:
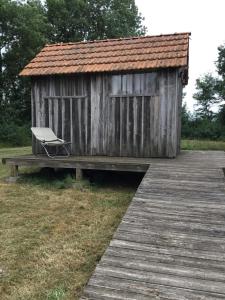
(197, 128)
(12, 134)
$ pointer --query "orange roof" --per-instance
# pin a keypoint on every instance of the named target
(125, 54)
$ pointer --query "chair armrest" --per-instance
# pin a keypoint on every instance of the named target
(61, 140)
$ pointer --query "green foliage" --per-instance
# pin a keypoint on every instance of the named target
(206, 123)
(194, 126)
(67, 20)
(113, 19)
(14, 134)
(56, 294)
(23, 28)
(76, 20)
(220, 64)
(206, 96)
(185, 120)
(211, 89)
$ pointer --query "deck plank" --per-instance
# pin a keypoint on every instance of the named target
(170, 243)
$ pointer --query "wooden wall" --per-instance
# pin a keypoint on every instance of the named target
(136, 115)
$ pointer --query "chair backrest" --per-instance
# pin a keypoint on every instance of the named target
(43, 134)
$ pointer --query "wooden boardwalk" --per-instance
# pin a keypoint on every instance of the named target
(171, 241)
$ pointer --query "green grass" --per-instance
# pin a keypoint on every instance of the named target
(7, 152)
(54, 230)
(202, 145)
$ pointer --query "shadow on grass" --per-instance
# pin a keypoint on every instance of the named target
(49, 178)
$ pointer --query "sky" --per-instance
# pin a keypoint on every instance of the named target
(205, 19)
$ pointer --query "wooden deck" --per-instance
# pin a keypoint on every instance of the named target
(203, 159)
(79, 163)
(171, 241)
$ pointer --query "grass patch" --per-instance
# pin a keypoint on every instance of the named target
(54, 230)
(7, 152)
(48, 178)
(202, 145)
(56, 294)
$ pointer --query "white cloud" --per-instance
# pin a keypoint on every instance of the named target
(205, 19)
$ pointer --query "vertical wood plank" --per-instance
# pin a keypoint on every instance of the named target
(63, 118)
(124, 126)
(67, 116)
(105, 117)
(50, 112)
(163, 94)
(80, 129)
(147, 128)
(33, 116)
(139, 126)
(86, 121)
(117, 120)
(135, 129)
(59, 132)
(142, 127)
(121, 126)
(46, 105)
(131, 126)
(56, 114)
(71, 124)
(112, 144)
(179, 100)
(94, 114)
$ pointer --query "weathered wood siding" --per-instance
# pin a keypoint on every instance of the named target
(136, 115)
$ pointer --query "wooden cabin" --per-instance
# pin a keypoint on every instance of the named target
(118, 97)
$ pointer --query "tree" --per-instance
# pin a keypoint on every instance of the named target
(113, 19)
(206, 96)
(211, 89)
(220, 64)
(76, 20)
(185, 120)
(23, 28)
(67, 19)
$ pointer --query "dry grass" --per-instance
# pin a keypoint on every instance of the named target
(52, 238)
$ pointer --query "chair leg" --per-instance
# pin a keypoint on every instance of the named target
(46, 150)
(67, 151)
(53, 156)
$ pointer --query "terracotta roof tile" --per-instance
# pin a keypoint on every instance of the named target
(137, 53)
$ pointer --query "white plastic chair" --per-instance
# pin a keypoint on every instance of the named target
(47, 138)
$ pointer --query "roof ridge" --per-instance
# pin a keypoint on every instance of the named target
(118, 39)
